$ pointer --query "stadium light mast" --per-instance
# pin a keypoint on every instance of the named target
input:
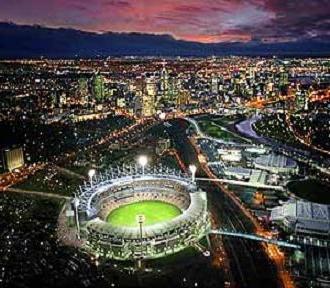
(143, 160)
(140, 219)
(162, 116)
(91, 174)
(76, 204)
(193, 170)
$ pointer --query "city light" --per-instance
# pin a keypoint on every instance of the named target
(193, 169)
(162, 116)
(253, 130)
(91, 174)
(143, 160)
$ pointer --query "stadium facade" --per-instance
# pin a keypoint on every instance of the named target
(303, 217)
(118, 187)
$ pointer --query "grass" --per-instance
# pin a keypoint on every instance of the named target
(153, 211)
(213, 129)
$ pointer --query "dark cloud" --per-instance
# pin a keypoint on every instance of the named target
(200, 20)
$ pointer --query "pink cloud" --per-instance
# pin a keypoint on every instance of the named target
(196, 20)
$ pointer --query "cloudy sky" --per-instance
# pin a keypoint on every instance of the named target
(196, 20)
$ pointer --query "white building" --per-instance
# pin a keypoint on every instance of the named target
(277, 164)
(230, 155)
(303, 217)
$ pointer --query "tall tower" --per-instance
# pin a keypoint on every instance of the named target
(149, 97)
(214, 85)
(301, 100)
(82, 92)
(98, 87)
(164, 80)
(284, 78)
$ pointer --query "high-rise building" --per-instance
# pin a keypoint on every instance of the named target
(82, 92)
(183, 98)
(284, 78)
(172, 93)
(164, 79)
(149, 97)
(98, 87)
(301, 100)
(214, 85)
(12, 158)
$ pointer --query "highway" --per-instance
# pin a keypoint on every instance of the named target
(272, 251)
(126, 133)
(239, 253)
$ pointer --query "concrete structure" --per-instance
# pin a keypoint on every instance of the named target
(238, 172)
(98, 87)
(258, 177)
(129, 185)
(276, 163)
(149, 98)
(162, 145)
(303, 217)
(230, 155)
(13, 158)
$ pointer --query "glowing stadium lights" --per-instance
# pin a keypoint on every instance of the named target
(76, 204)
(91, 174)
(162, 116)
(143, 160)
(172, 188)
(193, 170)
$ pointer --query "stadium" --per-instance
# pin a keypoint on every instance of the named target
(131, 213)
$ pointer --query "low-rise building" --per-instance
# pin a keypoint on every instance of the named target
(303, 217)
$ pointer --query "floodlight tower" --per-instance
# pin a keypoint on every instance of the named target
(143, 160)
(162, 116)
(76, 204)
(140, 219)
(193, 170)
(91, 174)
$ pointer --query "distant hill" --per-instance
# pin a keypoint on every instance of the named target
(21, 41)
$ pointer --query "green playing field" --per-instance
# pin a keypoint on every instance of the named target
(153, 211)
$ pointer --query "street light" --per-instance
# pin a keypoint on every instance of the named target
(91, 173)
(143, 160)
(193, 170)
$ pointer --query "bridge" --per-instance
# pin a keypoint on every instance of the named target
(255, 238)
(242, 183)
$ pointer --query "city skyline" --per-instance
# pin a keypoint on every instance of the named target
(165, 143)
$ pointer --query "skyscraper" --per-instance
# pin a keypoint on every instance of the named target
(214, 85)
(98, 89)
(82, 92)
(149, 97)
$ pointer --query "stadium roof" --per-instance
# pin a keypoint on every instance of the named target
(307, 215)
(276, 160)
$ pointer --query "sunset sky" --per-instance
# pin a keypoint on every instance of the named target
(195, 20)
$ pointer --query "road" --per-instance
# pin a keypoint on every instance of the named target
(240, 253)
(37, 193)
(272, 251)
(12, 178)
